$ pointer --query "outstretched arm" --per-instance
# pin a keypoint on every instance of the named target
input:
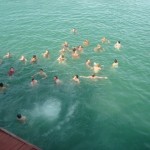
(101, 77)
(45, 76)
(35, 74)
(84, 76)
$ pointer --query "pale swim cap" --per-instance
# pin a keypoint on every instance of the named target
(95, 64)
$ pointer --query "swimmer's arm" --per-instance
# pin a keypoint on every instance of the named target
(90, 67)
(77, 81)
(101, 77)
(43, 54)
(31, 61)
(25, 61)
(35, 74)
(84, 77)
(45, 76)
(4, 88)
(59, 58)
(114, 65)
(5, 56)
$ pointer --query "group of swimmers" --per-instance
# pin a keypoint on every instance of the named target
(75, 53)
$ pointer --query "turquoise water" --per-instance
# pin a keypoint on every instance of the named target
(110, 114)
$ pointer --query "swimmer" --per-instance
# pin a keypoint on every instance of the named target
(65, 45)
(104, 40)
(74, 31)
(33, 82)
(80, 48)
(21, 118)
(98, 48)
(88, 63)
(117, 45)
(46, 54)
(23, 59)
(8, 55)
(2, 88)
(11, 71)
(62, 51)
(115, 64)
(33, 59)
(41, 73)
(93, 77)
(96, 68)
(57, 80)
(86, 42)
(61, 59)
(75, 53)
(76, 79)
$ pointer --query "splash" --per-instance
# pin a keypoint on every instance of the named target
(50, 109)
(69, 115)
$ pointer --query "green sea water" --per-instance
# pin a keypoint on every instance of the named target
(110, 114)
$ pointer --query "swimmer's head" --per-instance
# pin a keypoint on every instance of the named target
(76, 76)
(95, 64)
(93, 75)
(32, 79)
(41, 69)
(119, 42)
(1, 84)
(34, 56)
(55, 77)
(98, 65)
(74, 49)
(19, 116)
(115, 61)
(11, 69)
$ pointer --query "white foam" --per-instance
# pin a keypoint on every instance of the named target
(68, 116)
(50, 109)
